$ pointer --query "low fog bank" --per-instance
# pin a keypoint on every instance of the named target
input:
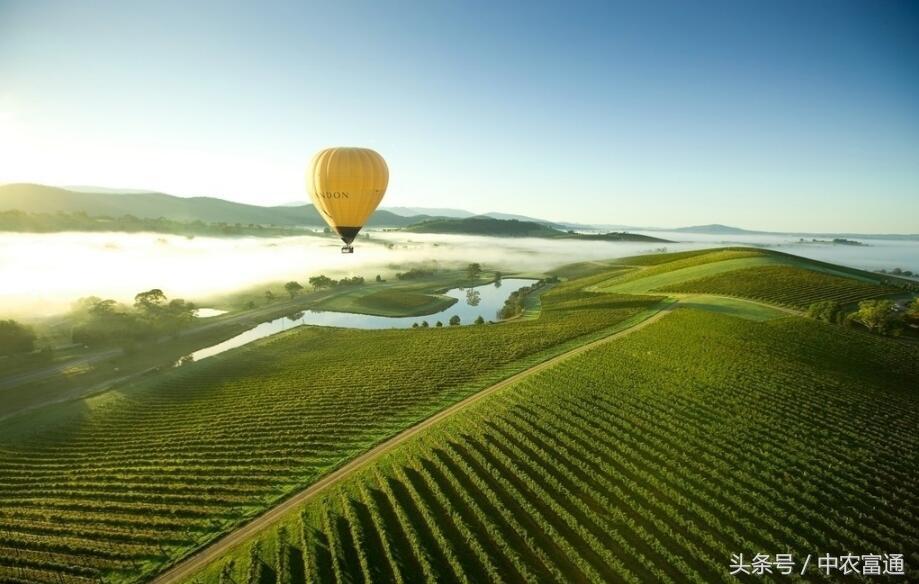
(42, 274)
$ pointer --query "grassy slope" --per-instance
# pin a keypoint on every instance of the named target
(398, 298)
(731, 307)
(650, 459)
(121, 483)
(747, 273)
(640, 281)
(778, 284)
(395, 303)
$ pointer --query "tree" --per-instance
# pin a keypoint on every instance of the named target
(150, 302)
(178, 313)
(473, 270)
(498, 276)
(293, 288)
(912, 312)
(414, 325)
(439, 324)
(104, 321)
(102, 308)
(318, 282)
(424, 324)
(379, 278)
(269, 295)
(15, 338)
(454, 320)
(875, 315)
(480, 320)
(826, 310)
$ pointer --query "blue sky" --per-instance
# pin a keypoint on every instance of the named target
(768, 115)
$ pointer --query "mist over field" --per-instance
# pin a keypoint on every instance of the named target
(42, 274)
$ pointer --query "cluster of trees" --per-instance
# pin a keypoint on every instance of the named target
(102, 322)
(896, 272)
(414, 274)
(514, 304)
(454, 321)
(15, 338)
(879, 316)
(294, 288)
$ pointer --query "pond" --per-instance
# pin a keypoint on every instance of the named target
(484, 301)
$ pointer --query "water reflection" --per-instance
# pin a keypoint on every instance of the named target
(489, 299)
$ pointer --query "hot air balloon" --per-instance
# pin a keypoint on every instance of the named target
(346, 185)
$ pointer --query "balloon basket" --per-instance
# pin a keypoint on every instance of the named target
(347, 249)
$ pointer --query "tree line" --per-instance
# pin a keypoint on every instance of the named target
(22, 222)
(880, 316)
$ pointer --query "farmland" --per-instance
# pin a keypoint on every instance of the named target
(785, 285)
(652, 458)
(121, 484)
(762, 275)
(717, 429)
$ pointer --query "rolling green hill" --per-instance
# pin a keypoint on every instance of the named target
(489, 226)
(757, 274)
(785, 285)
(32, 198)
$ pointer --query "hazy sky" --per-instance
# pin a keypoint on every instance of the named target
(800, 115)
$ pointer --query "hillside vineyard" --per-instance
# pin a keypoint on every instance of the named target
(121, 485)
(653, 458)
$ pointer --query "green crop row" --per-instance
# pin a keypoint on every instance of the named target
(785, 285)
(652, 458)
(117, 486)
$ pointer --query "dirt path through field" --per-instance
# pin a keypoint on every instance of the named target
(198, 560)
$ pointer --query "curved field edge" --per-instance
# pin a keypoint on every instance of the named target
(599, 462)
(782, 285)
(120, 485)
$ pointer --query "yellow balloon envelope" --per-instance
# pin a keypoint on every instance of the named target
(346, 185)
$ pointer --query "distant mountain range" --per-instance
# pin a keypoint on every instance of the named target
(32, 198)
(718, 229)
(463, 214)
(107, 202)
(92, 189)
(482, 225)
